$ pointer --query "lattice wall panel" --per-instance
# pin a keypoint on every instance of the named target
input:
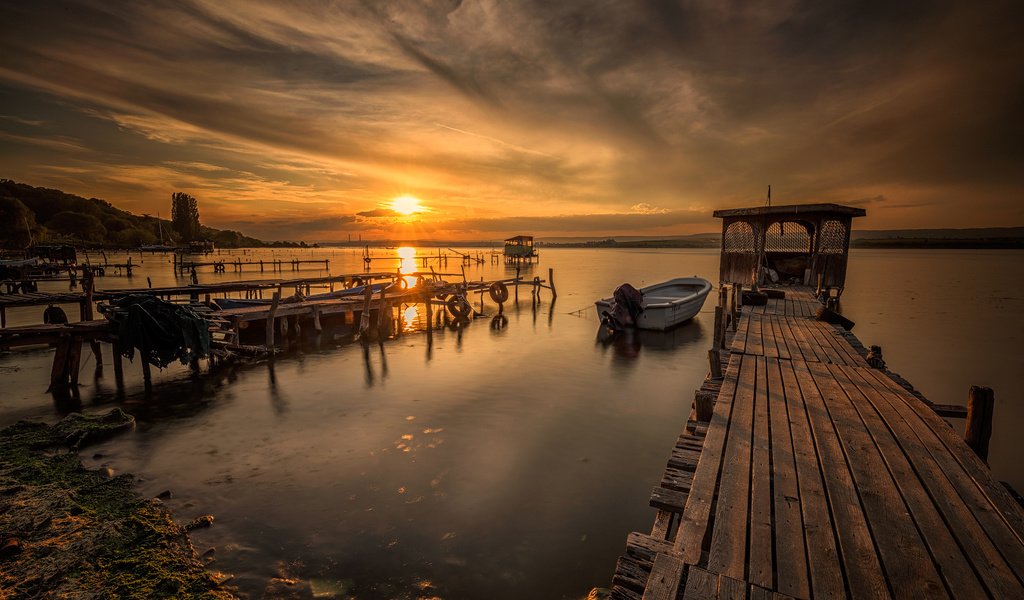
(739, 238)
(833, 238)
(787, 237)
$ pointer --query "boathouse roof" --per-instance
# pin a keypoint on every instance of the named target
(791, 209)
(519, 238)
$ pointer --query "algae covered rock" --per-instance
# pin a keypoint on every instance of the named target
(80, 534)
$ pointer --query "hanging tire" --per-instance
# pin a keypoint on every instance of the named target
(458, 307)
(54, 315)
(499, 292)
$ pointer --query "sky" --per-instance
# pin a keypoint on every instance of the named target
(306, 120)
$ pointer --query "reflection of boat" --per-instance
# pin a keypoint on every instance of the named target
(666, 304)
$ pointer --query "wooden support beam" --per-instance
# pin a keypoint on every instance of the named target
(714, 357)
(551, 283)
(118, 366)
(364, 321)
(703, 405)
(58, 370)
(316, 318)
(719, 316)
(978, 430)
(270, 320)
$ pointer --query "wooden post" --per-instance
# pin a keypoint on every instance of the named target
(703, 405)
(734, 307)
(718, 327)
(430, 315)
(58, 372)
(147, 374)
(715, 358)
(85, 308)
(978, 429)
(118, 366)
(517, 284)
(551, 282)
(364, 321)
(380, 311)
(316, 318)
(3, 317)
(270, 320)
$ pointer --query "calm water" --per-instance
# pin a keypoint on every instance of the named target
(498, 463)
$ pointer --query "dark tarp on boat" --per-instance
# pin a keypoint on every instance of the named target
(627, 304)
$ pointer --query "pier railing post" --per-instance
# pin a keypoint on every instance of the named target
(270, 321)
(715, 360)
(978, 429)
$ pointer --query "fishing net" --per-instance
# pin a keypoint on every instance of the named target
(162, 332)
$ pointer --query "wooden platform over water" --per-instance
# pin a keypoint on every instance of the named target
(818, 476)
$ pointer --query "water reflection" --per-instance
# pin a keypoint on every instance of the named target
(629, 343)
(409, 316)
(407, 264)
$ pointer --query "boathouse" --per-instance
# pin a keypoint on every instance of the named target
(795, 243)
(519, 249)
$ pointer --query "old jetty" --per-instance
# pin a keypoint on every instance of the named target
(806, 469)
(366, 305)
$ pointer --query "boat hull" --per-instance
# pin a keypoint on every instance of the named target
(667, 304)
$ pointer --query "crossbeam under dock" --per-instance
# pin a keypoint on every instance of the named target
(818, 476)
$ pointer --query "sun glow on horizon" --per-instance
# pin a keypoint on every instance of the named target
(407, 205)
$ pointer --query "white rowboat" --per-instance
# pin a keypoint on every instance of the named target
(667, 304)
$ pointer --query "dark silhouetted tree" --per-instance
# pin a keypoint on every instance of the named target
(185, 216)
(16, 223)
(82, 226)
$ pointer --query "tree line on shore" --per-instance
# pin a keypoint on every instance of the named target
(35, 215)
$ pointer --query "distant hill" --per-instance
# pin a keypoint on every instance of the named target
(53, 216)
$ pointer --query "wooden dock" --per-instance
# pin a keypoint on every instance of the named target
(818, 476)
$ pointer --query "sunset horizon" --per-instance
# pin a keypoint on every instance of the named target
(308, 122)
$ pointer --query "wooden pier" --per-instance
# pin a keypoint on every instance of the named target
(369, 315)
(805, 472)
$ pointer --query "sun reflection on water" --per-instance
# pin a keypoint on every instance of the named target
(409, 319)
(407, 265)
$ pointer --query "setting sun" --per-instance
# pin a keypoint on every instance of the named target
(406, 205)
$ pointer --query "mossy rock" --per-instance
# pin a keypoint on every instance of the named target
(81, 534)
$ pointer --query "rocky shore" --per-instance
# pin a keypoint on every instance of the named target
(70, 532)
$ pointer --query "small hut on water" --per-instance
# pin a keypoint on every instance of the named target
(519, 249)
(802, 243)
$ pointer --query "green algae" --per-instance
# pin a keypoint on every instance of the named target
(81, 533)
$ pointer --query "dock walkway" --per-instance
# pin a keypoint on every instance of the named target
(818, 476)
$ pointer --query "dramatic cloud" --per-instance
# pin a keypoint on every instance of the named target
(506, 117)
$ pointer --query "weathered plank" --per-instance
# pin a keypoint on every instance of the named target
(694, 523)
(700, 585)
(666, 499)
(790, 551)
(760, 564)
(664, 580)
(898, 542)
(729, 535)
(930, 496)
(823, 561)
(863, 572)
(995, 511)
